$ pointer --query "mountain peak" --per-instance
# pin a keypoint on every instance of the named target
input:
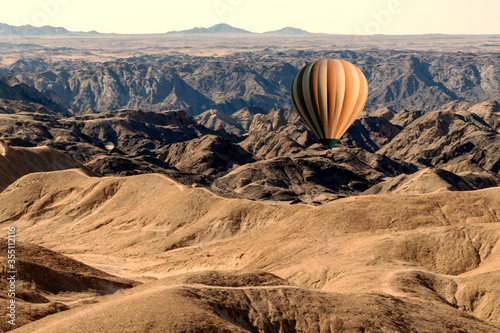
(288, 31)
(221, 28)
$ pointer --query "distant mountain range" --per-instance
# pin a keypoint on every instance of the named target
(222, 28)
(29, 30)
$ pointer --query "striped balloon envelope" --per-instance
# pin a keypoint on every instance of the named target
(329, 95)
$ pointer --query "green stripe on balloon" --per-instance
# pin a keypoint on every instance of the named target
(329, 142)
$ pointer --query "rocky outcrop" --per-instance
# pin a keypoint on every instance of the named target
(217, 120)
(208, 155)
(450, 135)
(397, 79)
(370, 133)
(267, 145)
(12, 89)
(134, 132)
(276, 157)
(307, 178)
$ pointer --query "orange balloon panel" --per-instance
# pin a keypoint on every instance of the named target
(329, 95)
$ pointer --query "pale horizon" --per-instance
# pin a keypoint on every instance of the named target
(362, 17)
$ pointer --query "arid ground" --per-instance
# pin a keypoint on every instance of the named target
(227, 216)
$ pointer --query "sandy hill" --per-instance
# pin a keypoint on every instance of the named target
(396, 262)
(48, 282)
(269, 308)
(16, 162)
(432, 180)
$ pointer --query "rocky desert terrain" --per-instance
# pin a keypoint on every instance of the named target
(218, 211)
(227, 69)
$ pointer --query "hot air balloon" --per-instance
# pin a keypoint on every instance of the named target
(109, 146)
(329, 95)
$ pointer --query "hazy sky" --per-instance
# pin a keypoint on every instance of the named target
(329, 16)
